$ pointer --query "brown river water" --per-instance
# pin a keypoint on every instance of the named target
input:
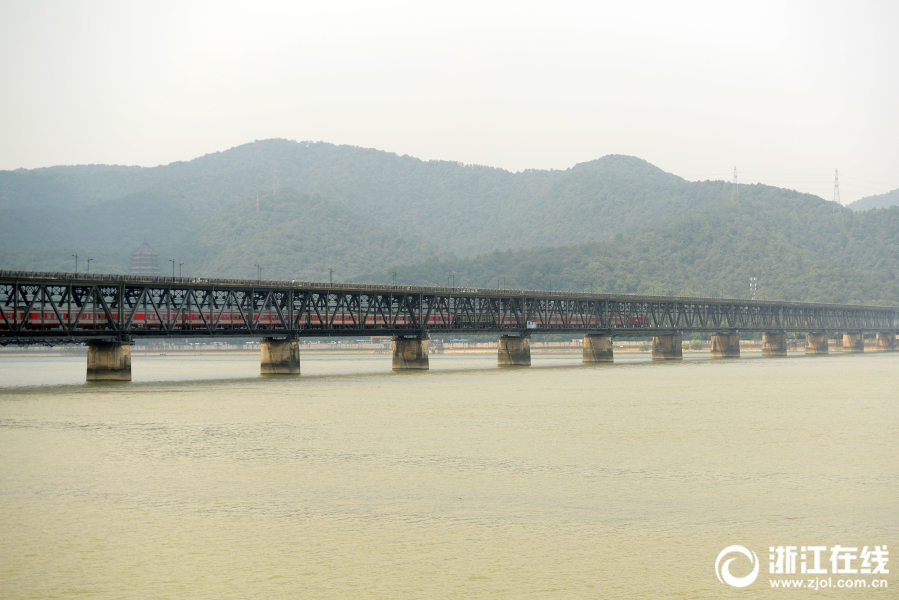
(201, 479)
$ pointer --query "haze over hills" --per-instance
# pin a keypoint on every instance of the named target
(613, 224)
(878, 201)
(796, 250)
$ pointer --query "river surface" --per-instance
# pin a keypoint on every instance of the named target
(201, 479)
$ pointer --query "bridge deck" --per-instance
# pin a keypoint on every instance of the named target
(54, 308)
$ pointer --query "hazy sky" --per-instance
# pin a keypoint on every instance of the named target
(786, 91)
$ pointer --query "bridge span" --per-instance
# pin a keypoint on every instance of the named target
(107, 312)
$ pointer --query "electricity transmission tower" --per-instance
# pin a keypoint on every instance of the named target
(733, 187)
(836, 186)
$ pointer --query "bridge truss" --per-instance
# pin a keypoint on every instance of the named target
(68, 308)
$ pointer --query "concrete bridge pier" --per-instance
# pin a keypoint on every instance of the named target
(774, 344)
(108, 361)
(667, 347)
(853, 343)
(886, 341)
(279, 357)
(597, 348)
(514, 351)
(410, 352)
(725, 345)
(815, 343)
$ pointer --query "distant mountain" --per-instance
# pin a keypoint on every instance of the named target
(796, 251)
(435, 207)
(879, 201)
(304, 210)
(73, 187)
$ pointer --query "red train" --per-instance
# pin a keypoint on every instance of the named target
(226, 320)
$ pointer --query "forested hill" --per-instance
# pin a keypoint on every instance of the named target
(879, 201)
(204, 212)
(462, 209)
(796, 250)
(301, 209)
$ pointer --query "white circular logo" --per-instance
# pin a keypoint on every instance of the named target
(722, 569)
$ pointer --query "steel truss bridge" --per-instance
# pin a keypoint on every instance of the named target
(60, 308)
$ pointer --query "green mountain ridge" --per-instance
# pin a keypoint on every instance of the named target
(614, 224)
(710, 254)
(458, 209)
(886, 200)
